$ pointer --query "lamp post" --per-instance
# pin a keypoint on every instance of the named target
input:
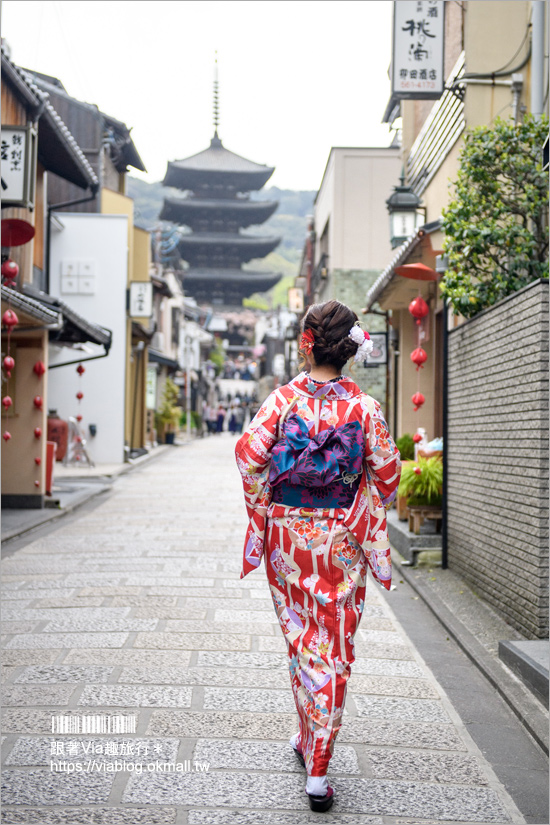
(406, 212)
(441, 266)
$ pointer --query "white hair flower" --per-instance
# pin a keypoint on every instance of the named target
(363, 339)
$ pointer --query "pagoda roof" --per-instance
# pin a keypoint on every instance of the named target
(242, 247)
(216, 163)
(227, 286)
(246, 212)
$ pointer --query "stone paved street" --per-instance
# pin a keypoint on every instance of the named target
(135, 609)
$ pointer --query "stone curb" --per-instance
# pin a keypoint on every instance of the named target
(518, 698)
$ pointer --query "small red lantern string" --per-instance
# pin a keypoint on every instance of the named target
(10, 321)
(418, 309)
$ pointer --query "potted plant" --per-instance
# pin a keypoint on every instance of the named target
(168, 415)
(422, 482)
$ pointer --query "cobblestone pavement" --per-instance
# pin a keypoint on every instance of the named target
(135, 610)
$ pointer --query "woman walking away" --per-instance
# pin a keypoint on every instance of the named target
(319, 467)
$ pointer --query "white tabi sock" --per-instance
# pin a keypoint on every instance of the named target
(317, 785)
(296, 741)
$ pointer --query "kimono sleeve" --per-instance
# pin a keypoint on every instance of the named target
(382, 456)
(253, 455)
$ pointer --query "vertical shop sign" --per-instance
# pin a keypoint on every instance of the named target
(418, 49)
(18, 166)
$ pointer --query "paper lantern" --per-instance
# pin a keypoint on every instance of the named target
(6, 436)
(418, 308)
(9, 364)
(39, 369)
(417, 399)
(80, 395)
(79, 418)
(37, 432)
(10, 319)
(80, 369)
(10, 269)
(38, 461)
(7, 402)
(418, 356)
(37, 484)
(37, 401)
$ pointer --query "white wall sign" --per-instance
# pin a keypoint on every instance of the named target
(18, 166)
(141, 299)
(418, 49)
(151, 390)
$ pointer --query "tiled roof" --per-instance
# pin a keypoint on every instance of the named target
(219, 159)
(30, 306)
(400, 255)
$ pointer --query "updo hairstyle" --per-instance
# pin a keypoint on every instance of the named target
(330, 323)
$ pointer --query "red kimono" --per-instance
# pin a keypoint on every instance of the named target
(318, 467)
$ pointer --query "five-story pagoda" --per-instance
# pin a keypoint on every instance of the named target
(216, 206)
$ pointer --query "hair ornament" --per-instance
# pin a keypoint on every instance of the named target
(362, 338)
(307, 341)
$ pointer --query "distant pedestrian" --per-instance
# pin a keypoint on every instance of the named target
(220, 419)
(318, 467)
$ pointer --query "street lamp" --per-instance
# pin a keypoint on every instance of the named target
(406, 214)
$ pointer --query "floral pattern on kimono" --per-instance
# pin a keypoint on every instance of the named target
(320, 407)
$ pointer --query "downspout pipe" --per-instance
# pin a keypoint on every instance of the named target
(537, 61)
(54, 206)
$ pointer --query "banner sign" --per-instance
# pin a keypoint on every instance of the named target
(379, 354)
(418, 49)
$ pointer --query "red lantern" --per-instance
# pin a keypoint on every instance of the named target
(37, 432)
(418, 356)
(10, 269)
(417, 438)
(79, 418)
(417, 399)
(37, 484)
(38, 461)
(7, 402)
(37, 401)
(10, 319)
(80, 369)
(418, 308)
(39, 369)
(418, 471)
(80, 395)
(9, 364)
(6, 436)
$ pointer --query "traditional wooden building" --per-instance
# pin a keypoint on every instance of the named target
(215, 207)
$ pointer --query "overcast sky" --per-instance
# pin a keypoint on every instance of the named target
(296, 76)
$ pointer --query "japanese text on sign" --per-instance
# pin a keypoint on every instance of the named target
(141, 299)
(14, 164)
(418, 48)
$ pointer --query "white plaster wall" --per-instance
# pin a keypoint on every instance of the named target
(356, 184)
(103, 239)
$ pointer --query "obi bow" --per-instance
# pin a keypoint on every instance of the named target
(316, 461)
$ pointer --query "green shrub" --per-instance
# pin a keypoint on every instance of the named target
(424, 487)
(405, 445)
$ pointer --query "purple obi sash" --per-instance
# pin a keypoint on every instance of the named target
(323, 470)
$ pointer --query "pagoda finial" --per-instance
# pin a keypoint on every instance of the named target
(216, 96)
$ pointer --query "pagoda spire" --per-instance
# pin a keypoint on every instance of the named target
(216, 98)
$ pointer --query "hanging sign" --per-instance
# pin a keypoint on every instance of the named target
(18, 166)
(418, 49)
(141, 299)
